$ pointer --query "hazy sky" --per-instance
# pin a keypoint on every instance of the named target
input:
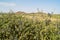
(30, 5)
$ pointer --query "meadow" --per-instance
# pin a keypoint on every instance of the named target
(29, 26)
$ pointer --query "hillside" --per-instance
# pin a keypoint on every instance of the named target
(41, 16)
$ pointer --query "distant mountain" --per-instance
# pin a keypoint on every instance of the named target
(20, 12)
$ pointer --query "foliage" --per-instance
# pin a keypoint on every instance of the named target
(17, 27)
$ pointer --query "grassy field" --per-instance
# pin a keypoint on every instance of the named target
(29, 26)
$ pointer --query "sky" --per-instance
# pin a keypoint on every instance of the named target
(30, 5)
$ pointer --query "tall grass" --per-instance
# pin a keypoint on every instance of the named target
(18, 27)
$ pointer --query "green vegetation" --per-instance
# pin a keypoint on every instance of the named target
(38, 26)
